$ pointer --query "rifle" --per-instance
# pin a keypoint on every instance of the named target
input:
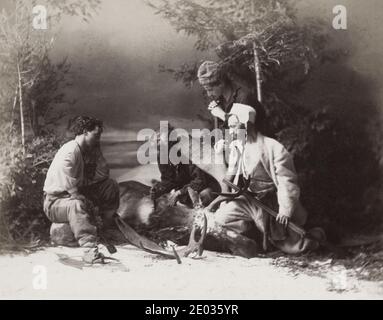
(241, 190)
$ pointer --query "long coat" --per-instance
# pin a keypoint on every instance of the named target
(279, 165)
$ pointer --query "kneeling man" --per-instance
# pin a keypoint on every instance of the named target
(269, 170)
(185, 182)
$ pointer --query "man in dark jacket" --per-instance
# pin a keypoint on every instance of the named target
(185, 182)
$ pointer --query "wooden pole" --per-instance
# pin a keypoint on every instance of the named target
(22, 124)
(257, 64)
(258, 75)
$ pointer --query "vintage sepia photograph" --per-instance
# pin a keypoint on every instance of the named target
(192, 150)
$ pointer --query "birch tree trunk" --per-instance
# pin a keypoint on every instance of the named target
(14, 108)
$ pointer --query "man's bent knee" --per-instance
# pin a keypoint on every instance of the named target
(234, 223)
(78, 206)
(111, 194)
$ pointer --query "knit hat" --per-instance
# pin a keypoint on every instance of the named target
(208, 73)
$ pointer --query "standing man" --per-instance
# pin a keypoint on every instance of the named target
(224, 92)
(78, 181)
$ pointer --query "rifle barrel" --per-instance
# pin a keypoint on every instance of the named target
(270, 211)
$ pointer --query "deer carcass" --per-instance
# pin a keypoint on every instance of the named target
(164, 222)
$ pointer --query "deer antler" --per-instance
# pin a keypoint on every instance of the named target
(149, 246)
(163, 252)
(193, 245)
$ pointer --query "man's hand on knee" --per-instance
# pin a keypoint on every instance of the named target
(283, 219)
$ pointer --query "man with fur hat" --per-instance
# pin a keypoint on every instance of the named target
(223, 91)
